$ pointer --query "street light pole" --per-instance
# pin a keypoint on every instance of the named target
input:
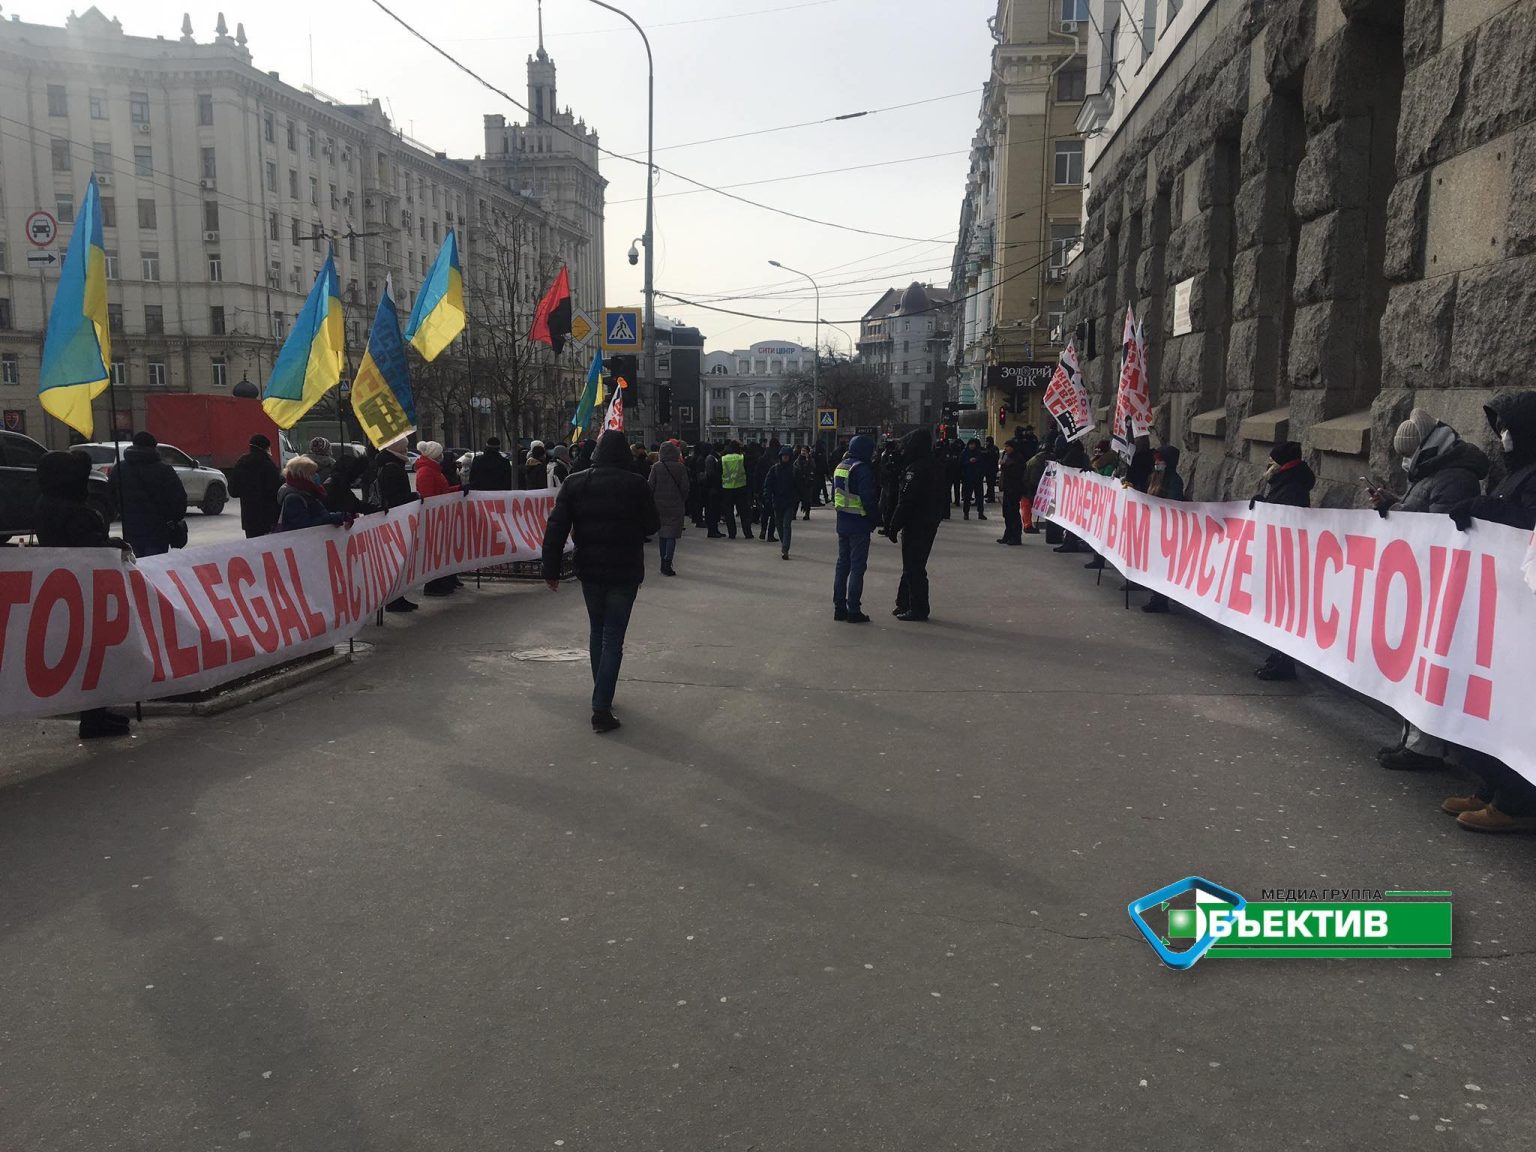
(650, 172)
(816, 340)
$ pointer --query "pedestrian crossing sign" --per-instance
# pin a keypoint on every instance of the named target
(621, 329)
(826, 419)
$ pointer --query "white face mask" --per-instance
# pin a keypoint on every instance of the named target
(1508, 440)
(1407, 463)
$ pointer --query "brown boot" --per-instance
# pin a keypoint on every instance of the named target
(1456, 805)
(1490, 819)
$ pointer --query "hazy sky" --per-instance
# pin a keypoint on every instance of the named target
(721, 68)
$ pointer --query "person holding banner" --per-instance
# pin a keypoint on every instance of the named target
(1288, 481)
(1166, 484)
(609, 511)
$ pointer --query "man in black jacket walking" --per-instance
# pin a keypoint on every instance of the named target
(490, 471)
(254, 481)
(921, 502)
(149, 497)
(609, 511)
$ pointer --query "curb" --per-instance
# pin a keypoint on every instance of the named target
(280, 681)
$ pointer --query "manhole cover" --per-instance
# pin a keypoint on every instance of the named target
(555, 655)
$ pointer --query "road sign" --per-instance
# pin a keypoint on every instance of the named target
(14, 420)
(826, 419)
(42, 229)
(621, 329)
(42, 259)
(581, 328)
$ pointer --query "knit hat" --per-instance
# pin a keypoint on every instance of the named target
(260, 443)
(431, 449)
(1412, 431)
(144, 440)
(493, 442)
(396, 447)
(319, 446)
(1286, 453)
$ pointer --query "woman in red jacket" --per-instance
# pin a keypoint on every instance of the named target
(430, 482)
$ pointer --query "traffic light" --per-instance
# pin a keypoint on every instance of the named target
(1002, 414)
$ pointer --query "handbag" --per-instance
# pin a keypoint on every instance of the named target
(176, 531)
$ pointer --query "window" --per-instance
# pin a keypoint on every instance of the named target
(60, 155)
(211, 215)
(10, 369)
(210, 165)
(279, 326)
(293, 184)
(215, 268)
(138, 107)
(154, 320)
(1069, 162)
(1053, 322)
(101, 158)
(335, 200)
(151, 265)
(220, 373)
(293, 136)
(1072, 80)
(351, 247)
(906, 391)
(1063, 237)
(98, 104)
(216, 319)
(58, 100)
(114, 317)
(111, 263)
(143, 161)
(271, 176)
(274, 226)
(311, 143)
(205, 109)
(2, 257)
(119, 372)
(267, 130)
(436, 235)
(156, 374)
(1108, 64)
(5, 313)
(1074, 10)
(109, 212)
(314, 191)
(64, 206)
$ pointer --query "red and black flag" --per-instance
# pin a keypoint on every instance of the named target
(552, 322)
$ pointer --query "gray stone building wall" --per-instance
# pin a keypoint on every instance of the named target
(1345, 186)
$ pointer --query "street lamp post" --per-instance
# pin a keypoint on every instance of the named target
(815, 340)
(650, 172)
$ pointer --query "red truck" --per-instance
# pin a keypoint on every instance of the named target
(217, 430)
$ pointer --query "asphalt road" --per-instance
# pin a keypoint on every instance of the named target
(830, 888)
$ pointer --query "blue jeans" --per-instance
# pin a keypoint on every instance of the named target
(608, 609)
(668, 548)
(785, 518)
(848, 583)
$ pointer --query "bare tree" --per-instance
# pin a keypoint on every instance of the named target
(860, 392)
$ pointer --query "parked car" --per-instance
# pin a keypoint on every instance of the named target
(19, 456)
(207, 488)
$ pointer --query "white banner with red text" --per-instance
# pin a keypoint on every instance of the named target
(1437, 623)
(86, 627)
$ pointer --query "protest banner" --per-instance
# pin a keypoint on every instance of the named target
(1435, 622)
(1066, 399)
(1133, 399)
(87, 627)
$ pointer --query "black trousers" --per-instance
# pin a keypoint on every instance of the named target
(971, 494)
(991, 487)
(954, 486)
(738, 502)
(912, 592)
(1013, 520)
(714, 506)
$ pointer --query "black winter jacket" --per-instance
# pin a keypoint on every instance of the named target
(1291, 486)
(1513, 502)
(1442, 477)
(64, 519)
(394, 486)
(923, 497)
(490, 472)
(150, 498)
(609, 511)
(254, 480)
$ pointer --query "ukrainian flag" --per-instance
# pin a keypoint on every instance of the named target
(438, 317)
(309, 365)
(588, 397)
(77, 347)
(381, 392)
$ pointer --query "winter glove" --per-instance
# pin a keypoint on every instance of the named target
(1461, 515)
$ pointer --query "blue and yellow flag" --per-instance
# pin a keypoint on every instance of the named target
(438, 317)
(309, 365)
(381, 393)
(588, 397)
(77, 347)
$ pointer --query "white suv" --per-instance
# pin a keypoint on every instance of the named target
(207, 489)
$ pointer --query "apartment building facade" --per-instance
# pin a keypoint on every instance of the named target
(905, 335)
(222, 190)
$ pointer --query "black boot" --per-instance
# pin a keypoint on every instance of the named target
(603, 720)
